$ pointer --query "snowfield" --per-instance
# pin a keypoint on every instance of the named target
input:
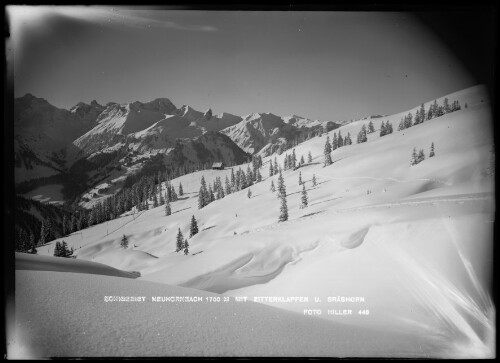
(412, 246)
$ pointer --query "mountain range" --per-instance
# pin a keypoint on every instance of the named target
(91, 143)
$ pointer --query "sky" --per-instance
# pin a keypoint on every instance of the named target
(322, 65)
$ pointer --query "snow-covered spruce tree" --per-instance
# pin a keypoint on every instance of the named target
(446, 106)
(327, 151)
(271, 170)
(258, 177)
(124, 242)
(233, 181)
(421, 156)
(294, 159)
(348, 139)
(340, 141)
(432, 153)
(414, 159)
(283, 208)
(273, 189)
(434, 109)
(281, 185)
(302, 161)
(179, 244)
(309, 157)
(388, 127)
(335, 141)
(43, 233)
(300, 178)
(249, 176)
(304, 197)
(249, 193)
(64, 225)
(211, 194)
(228, 186)
(276, 166)
(173, 194)
(362, 135)
(57, 249)
(408, 120)
(383, 129)
(181, 191)
(186, 247)
(168, 209)
(193, 228)
(314, 180)
(370, 127)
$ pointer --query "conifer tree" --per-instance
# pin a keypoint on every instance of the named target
(179, 241)
(314, 180)
(388, 127)
(421, 156)
(281, 185)
(400, 127)
(193, 228)
(249, 193)
(370, 127)
(181, 191)
(162, 200)
(64, 225)
(302, 161)
(446, 106)
(211, 194)
(155, 201)
(57, 249)
(300, 178)
(383, 129)
(283, 208)
(414, 159)
(168, 209)
(294, 159)
(273, 189)
(233, 180)
(43, 234)
(309, 157)
(186, 247)
(249, 176)
(259, 176)
(304, 197)
(435, 109)
(431, 154)
(362, 135)
(335, 141)
(228, 186)
(327, 151)
(271, 171)
(340, 141)
(124, 242)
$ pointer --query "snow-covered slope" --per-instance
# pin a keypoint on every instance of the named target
(66, 315)
(412, 243)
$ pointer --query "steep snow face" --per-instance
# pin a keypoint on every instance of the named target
(259, 131)
(255, 131)
(415, 242)
(299, 121)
